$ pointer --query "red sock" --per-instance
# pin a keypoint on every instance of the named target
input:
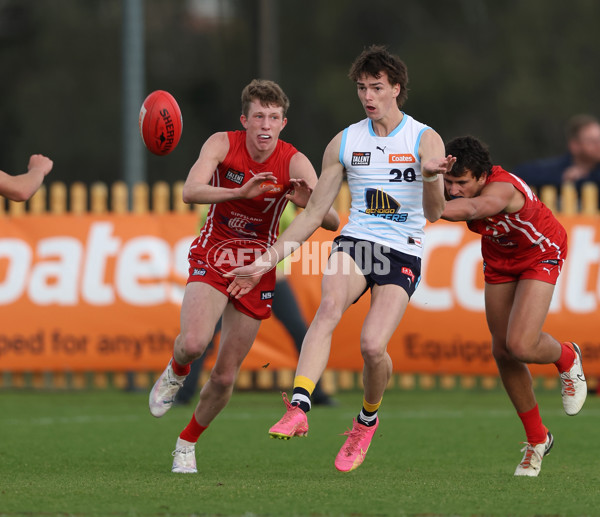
(535, 431)
(567, 356)
(192, 431)
(180, 369)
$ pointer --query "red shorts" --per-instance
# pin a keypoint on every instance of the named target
(500, 268)
(256, 304)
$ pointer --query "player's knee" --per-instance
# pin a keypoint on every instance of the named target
(192, 345)
(519, 349)
(372, 350)
(223, 380)
(329, 311)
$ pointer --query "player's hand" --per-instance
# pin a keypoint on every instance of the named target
(246, 279)
(40, 162)
(300, 193)
(257, 185)
(439, 165)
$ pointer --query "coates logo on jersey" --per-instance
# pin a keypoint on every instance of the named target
(361, 158)
(269, 186)
(402, 158)
(233, 253)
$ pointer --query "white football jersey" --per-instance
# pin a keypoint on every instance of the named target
(384, 176)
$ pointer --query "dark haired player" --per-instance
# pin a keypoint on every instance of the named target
(524, 248)
(392, 164)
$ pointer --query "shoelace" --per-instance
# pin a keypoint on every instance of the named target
(568, 387)
(529, 452)
(354, 435)
(289, 414)
(183, 450)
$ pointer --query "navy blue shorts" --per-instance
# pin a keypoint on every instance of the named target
(380, 264)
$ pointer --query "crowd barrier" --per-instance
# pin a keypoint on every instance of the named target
(91, 284)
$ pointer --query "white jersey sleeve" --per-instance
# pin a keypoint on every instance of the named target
(384, 177)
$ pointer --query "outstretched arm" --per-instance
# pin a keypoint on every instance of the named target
(302, 227)
(494, 198)
(197, 188)
(23, 186)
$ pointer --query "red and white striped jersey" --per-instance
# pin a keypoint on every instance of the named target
(532, 228)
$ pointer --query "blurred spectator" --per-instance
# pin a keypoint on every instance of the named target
(580, 164)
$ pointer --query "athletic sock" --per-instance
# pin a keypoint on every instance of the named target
(192, 431)
(303, 388)
(180, 369)
(567, 356)
(368, 413)
(535, 430)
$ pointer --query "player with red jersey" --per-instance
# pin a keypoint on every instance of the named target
(247, 177)
(523, 248)
(236, 231)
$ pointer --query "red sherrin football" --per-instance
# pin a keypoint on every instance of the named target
(160, 122)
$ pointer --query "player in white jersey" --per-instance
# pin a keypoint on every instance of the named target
(392, 164)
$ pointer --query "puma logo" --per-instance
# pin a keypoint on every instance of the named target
(382, 149)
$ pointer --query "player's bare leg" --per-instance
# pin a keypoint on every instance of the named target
(388, 303)
(515, 313)
(237, 335)
(342, 284)
(201, 308)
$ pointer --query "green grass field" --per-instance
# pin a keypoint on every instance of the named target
(435, 453)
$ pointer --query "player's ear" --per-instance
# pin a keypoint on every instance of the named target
(284, 122)
(244, 121)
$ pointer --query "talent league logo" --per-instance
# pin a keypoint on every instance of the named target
(235, 176)
(381, 204)
(359, 158)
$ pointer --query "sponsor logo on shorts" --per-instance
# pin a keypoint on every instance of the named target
(199, 272)
(361, 158)
(402, 158)
(554, 262)
(408, 272)
(235, 176)
(267, 295)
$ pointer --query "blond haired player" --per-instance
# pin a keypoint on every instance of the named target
(247, 177)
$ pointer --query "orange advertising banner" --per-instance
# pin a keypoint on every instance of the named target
(102, 293)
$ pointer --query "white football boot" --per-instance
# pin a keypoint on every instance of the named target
(531, 464)
(573, 385)
(184, 457)
(162, 394)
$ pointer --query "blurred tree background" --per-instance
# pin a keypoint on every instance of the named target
(507, 71)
